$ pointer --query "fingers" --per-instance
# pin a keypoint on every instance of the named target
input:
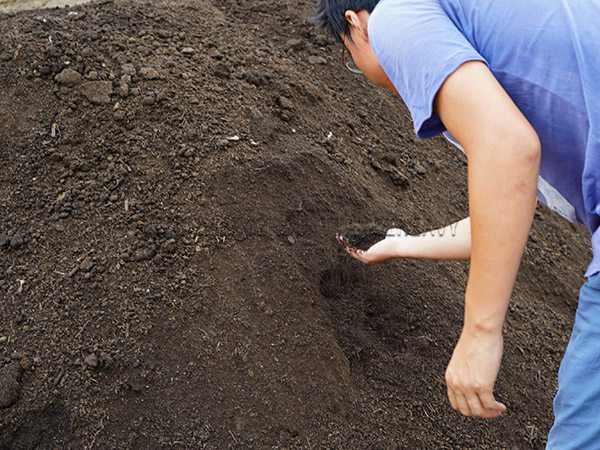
(472, 401)
(463, 404)
(491, 405)
(471, 374)
(452, 398)
(343, 240)
(473, 404)
(351, 250)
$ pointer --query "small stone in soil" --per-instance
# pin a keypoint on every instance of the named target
(294, 44)
(87, 52)
(92, 75)
(285, 103)
(91, 361)
(222, 71)
(16, 241)
(123, 90)
(142, 254)
(316, 60)
(149, 73)
(164, 34)
(86, 265)
(97, 92)
(128, 69)
(420, 169)
(254, 77)
(69, 77)
(169, 246)
(215, 54)
(149, 100)
(26, 363)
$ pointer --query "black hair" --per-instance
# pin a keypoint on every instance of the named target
(329, 14)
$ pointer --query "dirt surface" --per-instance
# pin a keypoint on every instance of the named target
(11, 6)
(172, 178)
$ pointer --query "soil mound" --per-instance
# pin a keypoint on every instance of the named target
(172, 178)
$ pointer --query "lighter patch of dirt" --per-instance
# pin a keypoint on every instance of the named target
(11, 6)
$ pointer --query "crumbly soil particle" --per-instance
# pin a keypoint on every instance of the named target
(169, 274)
(10, 386)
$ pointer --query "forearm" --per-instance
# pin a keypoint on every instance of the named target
(450, 242)
(502, 187)
(503, 152)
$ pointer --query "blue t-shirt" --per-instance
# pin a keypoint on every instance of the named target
(544, 53)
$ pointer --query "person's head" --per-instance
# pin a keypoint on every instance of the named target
(348, 20)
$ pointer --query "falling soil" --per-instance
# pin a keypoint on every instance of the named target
(172, 177)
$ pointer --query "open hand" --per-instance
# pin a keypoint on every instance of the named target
(472, 372)
(383, 250)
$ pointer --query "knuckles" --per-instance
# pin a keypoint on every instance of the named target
(462, 385)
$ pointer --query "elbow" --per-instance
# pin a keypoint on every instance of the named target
(525, 156)
(530, 150)
(514, 161)
(526, 149)
(519, 155)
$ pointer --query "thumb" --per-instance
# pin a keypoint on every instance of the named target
(489, 402)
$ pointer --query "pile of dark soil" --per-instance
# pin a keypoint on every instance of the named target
(172, 178)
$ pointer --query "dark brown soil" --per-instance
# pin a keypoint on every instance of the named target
(169, 276)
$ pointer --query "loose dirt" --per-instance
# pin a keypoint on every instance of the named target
(172, 178)
(10, 6)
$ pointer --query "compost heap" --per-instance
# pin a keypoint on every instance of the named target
(172, 178)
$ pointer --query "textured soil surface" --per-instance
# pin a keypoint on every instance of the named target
(11, 6)
(172, 176)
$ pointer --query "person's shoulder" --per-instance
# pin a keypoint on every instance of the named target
(385, 8)
(388, 14)
(401, 13)
(397, 23)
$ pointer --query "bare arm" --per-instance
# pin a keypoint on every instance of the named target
(503, 153)
(450, 242)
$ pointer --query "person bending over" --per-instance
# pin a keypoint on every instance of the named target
(516, 85)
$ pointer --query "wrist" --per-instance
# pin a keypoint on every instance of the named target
(482, 327)
(405, 246)
(478, 322)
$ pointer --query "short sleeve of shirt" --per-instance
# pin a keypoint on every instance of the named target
(419, 46)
